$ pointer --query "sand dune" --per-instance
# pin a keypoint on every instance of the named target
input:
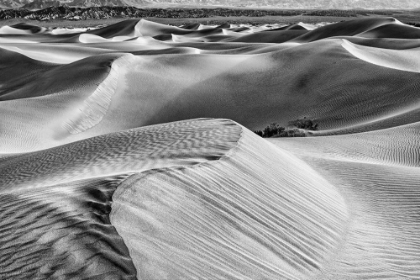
(21, 29)
(347, 28)
(271, 36)
(333, 75)
(64, 223)
(378, 174)
(126, 152)
(124, 28)
(398, 31)
(396, 59)
(272, 228)
(175, 154)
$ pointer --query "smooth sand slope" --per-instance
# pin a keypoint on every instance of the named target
(378, 175)
(126, 152)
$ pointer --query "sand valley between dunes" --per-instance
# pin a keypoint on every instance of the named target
(127, 152)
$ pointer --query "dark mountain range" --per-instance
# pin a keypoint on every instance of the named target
(284, 4)
(104, 12)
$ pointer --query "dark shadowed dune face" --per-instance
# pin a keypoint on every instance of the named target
(126, 151)
(47, 234)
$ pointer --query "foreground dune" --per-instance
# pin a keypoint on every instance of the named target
(126, 152)
(378, 174)
(204, 181)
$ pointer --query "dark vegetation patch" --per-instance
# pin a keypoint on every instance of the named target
(295, 128)
(416, 24)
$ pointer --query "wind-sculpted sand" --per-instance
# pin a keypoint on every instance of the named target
(126, 152)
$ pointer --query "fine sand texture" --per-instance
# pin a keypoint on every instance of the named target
(127, 152)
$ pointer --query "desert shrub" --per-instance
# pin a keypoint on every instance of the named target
(297, 128)
(272, 130)
(415, 24)
(304, 124)
(295, 132)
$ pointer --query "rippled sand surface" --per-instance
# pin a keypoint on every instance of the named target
(126, 152)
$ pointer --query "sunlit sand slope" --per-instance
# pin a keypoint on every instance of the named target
(378, 174)
(256, 213)
(194, 198)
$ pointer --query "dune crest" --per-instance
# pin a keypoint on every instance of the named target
(91, 38)
(274, 227)
(68, 200)
(396, 59)
(8, 30)
(95, 106)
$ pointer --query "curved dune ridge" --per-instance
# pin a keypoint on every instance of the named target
(126, 151)
(69, 188)
(378, 174)
(261, 223)
(56, 202)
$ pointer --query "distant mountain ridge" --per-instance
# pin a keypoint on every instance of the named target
(285, 4)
